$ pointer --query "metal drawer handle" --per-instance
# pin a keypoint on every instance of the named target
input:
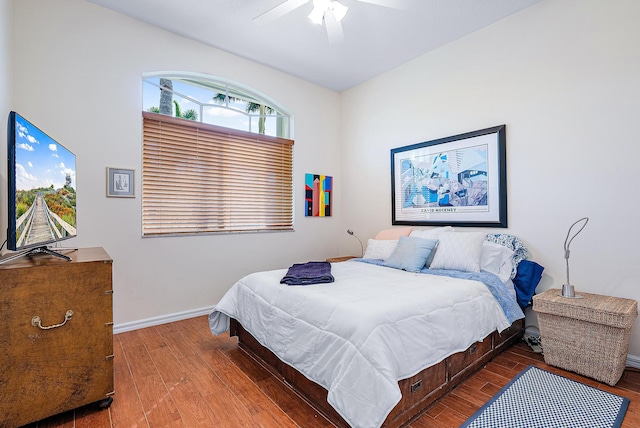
(37, 322)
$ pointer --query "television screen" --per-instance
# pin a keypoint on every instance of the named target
(42, 187)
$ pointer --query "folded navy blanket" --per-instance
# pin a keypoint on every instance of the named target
(308, 273)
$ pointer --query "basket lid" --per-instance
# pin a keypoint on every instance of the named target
(595, 308)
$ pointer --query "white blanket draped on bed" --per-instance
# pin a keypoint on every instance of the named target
(358, 336)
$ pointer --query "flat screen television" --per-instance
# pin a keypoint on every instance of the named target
(41, 176)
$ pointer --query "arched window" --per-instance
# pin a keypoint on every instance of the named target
(215, 158)
(215, 101)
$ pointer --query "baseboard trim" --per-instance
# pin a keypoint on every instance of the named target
(633, 361)
(164, 319)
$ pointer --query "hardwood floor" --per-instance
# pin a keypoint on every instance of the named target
(179, 375)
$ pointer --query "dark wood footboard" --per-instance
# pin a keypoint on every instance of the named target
(418, 392)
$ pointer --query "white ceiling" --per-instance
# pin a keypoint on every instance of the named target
(376, 38)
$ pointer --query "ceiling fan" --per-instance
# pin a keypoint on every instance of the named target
(329, 12)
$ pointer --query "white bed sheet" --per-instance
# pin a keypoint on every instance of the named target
(358, 336)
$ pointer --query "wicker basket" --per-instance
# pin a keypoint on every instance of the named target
(588, 335)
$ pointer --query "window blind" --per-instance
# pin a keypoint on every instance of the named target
(201, 178)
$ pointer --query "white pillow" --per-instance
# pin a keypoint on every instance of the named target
(431, 233)
(379, 249)
(497, 259)
(459, 251)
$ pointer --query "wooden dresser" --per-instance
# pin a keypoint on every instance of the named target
(56, 334)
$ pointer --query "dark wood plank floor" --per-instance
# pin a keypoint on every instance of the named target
(179, 375)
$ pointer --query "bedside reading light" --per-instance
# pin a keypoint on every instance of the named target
(567, 289)
(350, 232)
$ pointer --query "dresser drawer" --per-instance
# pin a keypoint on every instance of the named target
(417, 388)
(57, 339)
(469, 359)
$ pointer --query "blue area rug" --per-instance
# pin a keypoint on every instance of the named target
(536, 398)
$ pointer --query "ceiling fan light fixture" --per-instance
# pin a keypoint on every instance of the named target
(339, 10)
(317, 15)
(320, 7)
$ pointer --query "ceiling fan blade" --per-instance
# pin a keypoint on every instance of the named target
(279, 11)
(394, 4)
(334, 29)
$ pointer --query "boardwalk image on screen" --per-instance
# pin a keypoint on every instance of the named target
(45, 188)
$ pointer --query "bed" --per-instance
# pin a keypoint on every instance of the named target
(381, 343)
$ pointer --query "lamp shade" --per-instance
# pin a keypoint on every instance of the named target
(320, 7)
(339, 10)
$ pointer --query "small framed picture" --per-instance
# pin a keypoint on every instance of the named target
(120, 183)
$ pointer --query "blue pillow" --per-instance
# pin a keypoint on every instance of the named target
(411, 254)
(526, 280)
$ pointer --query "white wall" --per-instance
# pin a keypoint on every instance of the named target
(77, 76)
(564, 77)
(561, 75)
(5, 101)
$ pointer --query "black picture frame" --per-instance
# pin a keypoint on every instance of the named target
(454, 181)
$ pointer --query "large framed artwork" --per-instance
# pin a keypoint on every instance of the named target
(459, 181)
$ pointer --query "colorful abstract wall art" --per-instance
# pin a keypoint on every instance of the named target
(317, 200)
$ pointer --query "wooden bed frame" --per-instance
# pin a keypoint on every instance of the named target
(418, 392)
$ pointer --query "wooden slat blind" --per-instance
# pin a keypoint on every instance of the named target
(201, 178)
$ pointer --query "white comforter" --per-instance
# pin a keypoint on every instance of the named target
(362, 333)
